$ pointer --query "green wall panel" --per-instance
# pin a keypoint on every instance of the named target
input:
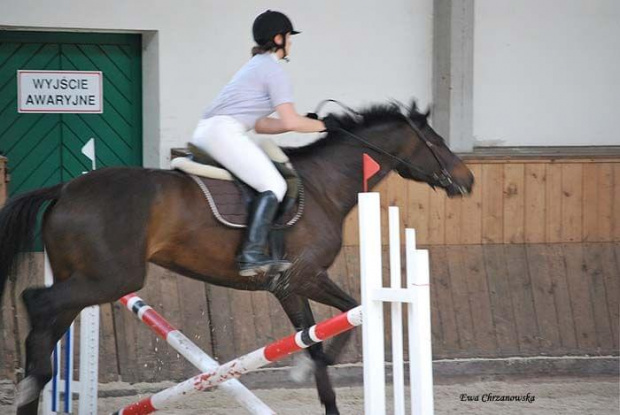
(44, 149)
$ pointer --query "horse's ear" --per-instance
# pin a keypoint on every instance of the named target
(428, 112)
(413, 109)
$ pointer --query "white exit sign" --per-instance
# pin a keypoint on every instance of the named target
(60, 91)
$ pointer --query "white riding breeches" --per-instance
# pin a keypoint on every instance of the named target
(226, 140)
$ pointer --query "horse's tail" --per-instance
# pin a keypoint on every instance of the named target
(17, 225)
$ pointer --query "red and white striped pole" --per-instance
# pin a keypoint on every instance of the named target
(249, 362)
(192, 353)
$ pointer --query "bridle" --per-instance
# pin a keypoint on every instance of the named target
(443, 176)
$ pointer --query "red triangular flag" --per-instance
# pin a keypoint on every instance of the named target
(371, 167)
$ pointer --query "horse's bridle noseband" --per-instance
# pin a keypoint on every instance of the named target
(443, 177)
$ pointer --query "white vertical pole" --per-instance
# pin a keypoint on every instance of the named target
(89, 335)
(420, 348)
(372, 327)
(398, 370)
(50, 393)
(89, 360)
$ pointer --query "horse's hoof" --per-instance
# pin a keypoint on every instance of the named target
(27, 391)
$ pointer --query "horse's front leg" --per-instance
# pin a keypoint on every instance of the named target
(299, 312)
(322, 289)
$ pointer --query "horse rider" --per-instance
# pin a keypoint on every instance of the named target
(260, 88)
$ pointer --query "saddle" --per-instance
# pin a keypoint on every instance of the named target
(229, 198)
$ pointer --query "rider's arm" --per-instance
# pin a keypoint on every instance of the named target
(289, 120)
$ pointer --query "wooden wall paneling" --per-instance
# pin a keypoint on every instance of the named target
(590, 203)
(610, 261)
(108, 359)
(244, 332)
(419, 212)
(134, 339)
(557, 272)
(387, 311)
(261, 318)
(471, 210)
(579, 289)
(593, 270)
(397, 194)
(453, 221)
(460, 297)
(501, 301)
(514, 203)
(221, 323)
(472, 259)
(171, 364)
(30, 274)
(195, 322)
(539, 289)
(353, 281)
(168, 307)
(9, 341)
(605, 202)
(492, 183)
(436, 218)
(347, 282)
(127, 349)
(441, 284)
(616, 203)
(352, 285)
(553, 203)
(350, 234)
(382, 188)
(572, 209)
(535, 207)
(436, 325)
(149, 358)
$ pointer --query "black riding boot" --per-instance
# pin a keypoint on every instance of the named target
(253, 258)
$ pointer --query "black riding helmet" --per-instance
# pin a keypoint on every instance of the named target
(269, 24)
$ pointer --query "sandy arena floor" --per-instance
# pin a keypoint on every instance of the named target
(561, 396)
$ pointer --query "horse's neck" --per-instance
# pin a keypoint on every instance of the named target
(333, 173)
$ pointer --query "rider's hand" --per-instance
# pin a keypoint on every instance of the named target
(331, 123)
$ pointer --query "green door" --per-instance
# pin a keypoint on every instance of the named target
(45, 149)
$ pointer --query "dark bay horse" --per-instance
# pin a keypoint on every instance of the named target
(100, 230)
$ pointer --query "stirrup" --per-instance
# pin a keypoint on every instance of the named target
(274, 266)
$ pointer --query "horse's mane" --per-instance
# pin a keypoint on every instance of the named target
(367, 117)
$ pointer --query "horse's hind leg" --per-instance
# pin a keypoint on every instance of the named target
(51, 311)
(299, 312)
(40, 342)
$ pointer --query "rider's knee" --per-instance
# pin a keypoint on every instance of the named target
(278, 187)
